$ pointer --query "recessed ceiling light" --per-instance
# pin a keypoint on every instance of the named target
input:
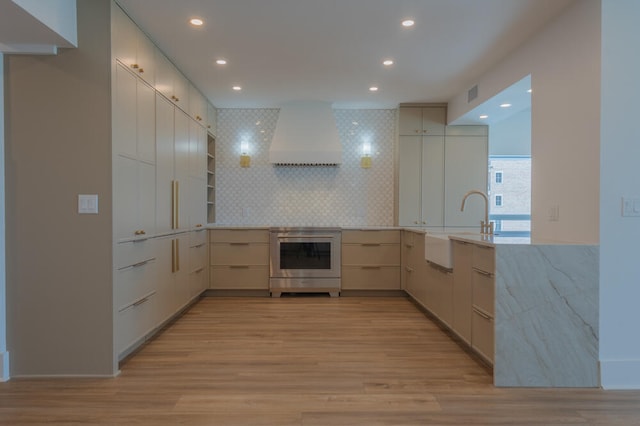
(483, 116)
(373, 89)
(196, 22)
(505, 105)
(408, 23)
(529, 91)
(221, 61)
(237, 88)
(387, 62)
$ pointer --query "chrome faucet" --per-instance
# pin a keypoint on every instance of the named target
(486, 227)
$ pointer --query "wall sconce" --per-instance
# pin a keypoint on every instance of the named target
(365, 160)
(245, 159)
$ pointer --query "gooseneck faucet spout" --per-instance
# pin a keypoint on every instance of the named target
(486, 227)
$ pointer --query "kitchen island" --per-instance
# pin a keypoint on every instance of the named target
(546, 311)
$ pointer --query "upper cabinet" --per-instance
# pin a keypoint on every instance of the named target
(170, 82)
(132, 47)
(425, 121)
(197, 106)
(212, 119)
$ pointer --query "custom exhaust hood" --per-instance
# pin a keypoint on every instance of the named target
(306, 135)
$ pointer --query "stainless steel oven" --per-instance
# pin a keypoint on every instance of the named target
(304, 260)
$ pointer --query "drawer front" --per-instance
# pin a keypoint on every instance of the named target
(134, 282)
(239, 236)
(198, 258)
(239, 254)
(386, 236)
(239, 277)
(483, 292)
(484, 258)
(482, 334)
(134, 322)
(197, 238)
(371, 254)
(130, 253)
(371, 278)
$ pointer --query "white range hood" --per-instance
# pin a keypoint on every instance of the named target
(306, 135)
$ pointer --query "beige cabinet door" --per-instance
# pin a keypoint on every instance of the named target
(410, 121)
(466, 168)
(410, 185)
(164, 171)
(197, 105)
(462, 306)
(432, 181)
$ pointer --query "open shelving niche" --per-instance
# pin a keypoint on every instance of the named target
(211, 178)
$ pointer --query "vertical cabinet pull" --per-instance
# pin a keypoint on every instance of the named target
(175, 204)
(175, 256)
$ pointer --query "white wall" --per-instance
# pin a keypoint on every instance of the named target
(619, 159)
(58, 15)
(511, 136)
(564, 64)
(4, 355)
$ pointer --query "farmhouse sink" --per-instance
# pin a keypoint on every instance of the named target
(438, 250)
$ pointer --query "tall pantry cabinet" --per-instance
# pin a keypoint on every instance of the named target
(159, 194)
(437, 165)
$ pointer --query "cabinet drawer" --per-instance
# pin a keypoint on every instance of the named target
(134, 322)
(239, 254)
(371, 278)
(133, 282)
(483, 293)
(197, 258)
(239, 236)
(371, 254)
(386, 236)
(197, 238)
(130, 253)
(482, 334)
(239, 277)
(484, 258)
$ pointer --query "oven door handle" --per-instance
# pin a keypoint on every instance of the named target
(281, 237)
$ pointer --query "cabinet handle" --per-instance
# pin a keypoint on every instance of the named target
(482, 313)
(139, 232)
(481, 272)
(175, 256)
(135, 66)
(175, 203)
(199, 225)
(199, 245)
(198, 118)
(197, 271)
(408, 245)
(144, 262)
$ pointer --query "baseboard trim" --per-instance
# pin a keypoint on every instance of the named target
(4, 366)
(620, 374)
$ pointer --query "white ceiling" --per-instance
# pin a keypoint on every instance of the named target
(332, 50)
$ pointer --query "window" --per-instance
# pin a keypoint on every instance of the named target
(498, 177)
(498, 200)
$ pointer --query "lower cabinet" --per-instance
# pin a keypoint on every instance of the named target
(155, 278)
(239, 259)
(463, 299)
(370, 260)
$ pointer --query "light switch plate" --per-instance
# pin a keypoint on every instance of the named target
(630, 206)
(88, 203)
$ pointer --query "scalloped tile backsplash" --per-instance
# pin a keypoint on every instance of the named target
(263, 194)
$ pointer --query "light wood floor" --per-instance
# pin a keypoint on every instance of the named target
(305, 361)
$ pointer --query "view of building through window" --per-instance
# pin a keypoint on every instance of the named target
(510, 194)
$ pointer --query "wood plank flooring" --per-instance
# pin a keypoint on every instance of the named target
(305, 361)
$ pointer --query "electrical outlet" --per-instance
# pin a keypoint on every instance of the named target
(87, 203)
(553, 214)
